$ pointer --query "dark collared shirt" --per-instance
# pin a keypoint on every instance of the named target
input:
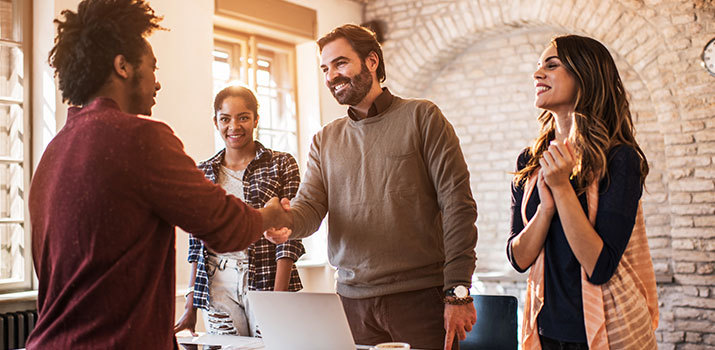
(378, 106)
(270, 174)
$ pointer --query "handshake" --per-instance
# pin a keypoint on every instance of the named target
(277, 220)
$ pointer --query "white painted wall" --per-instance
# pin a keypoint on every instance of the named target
(184, 60)
(331, 13)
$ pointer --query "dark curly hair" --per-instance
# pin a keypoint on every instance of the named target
(237, 91)
(363, 41)
(88, 41)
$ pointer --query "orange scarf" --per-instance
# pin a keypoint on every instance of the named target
(621, 313)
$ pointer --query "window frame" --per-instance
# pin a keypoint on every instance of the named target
(23, 23)
(250, 46)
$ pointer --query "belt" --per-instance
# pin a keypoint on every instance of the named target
(223, 263)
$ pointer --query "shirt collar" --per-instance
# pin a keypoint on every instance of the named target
(261, 152)
(97, 103)
(381, 103)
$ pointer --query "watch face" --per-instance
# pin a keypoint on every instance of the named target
(708, 57)
(461, 292)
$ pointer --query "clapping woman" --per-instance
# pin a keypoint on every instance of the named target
(576, 221)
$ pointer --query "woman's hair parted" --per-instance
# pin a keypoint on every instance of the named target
(602, 118)
(88, 40)
(237, 91)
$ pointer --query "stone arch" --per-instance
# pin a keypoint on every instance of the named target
(417, 59)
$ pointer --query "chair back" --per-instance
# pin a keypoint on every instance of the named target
(496, 327)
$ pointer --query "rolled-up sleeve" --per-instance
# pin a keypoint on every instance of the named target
(292, 249)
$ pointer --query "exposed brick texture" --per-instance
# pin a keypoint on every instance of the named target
(475, 59)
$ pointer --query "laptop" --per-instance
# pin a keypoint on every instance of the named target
(302, 321)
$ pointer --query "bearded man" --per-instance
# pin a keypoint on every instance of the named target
(402, 218)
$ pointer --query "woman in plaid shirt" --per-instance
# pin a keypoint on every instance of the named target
(255, 174)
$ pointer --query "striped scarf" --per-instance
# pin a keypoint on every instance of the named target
(620, 314)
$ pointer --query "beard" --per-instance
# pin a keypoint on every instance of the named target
(137, 101)
(358, 87)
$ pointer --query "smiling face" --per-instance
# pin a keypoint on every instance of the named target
(556, 88)
(144, 84)
(235, 122)
(346, 75)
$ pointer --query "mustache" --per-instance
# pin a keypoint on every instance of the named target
(339, 80)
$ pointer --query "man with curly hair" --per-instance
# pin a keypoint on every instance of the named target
(110, 188)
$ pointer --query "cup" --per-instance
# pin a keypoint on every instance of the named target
(393, 345)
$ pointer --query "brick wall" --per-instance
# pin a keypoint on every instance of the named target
(475, 59)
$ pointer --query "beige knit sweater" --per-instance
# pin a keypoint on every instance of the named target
(396, 185)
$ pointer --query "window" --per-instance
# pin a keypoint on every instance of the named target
(15, 264)
(268, 68)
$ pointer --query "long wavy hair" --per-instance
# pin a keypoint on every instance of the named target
(88, 40)
(602, 117)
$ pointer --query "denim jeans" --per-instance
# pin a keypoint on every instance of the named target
(229, 311)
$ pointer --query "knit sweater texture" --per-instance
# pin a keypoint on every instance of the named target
(401, 212)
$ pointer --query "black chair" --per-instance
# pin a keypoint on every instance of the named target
(496, 324)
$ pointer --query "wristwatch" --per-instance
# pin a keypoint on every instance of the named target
(457, 295)
(460, 292)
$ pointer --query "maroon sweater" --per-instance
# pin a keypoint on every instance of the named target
(103, 204)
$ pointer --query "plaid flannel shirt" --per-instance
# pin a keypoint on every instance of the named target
(270, 174)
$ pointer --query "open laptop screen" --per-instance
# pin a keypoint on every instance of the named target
(301, 321)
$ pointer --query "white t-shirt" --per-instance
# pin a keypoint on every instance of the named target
(232, 182)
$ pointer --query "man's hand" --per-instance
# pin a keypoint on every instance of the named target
(275, 216)
(188, 319)
(458, 320)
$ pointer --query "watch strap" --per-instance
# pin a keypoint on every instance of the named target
(452, 300)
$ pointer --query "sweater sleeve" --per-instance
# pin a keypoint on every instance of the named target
(171, 185)
(517, 223)
(619, 194)
(290, 181)
(310, 205)
(450, 176)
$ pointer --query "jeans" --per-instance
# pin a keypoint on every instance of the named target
(229, 311)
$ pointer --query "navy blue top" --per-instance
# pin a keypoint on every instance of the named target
(561, 317)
